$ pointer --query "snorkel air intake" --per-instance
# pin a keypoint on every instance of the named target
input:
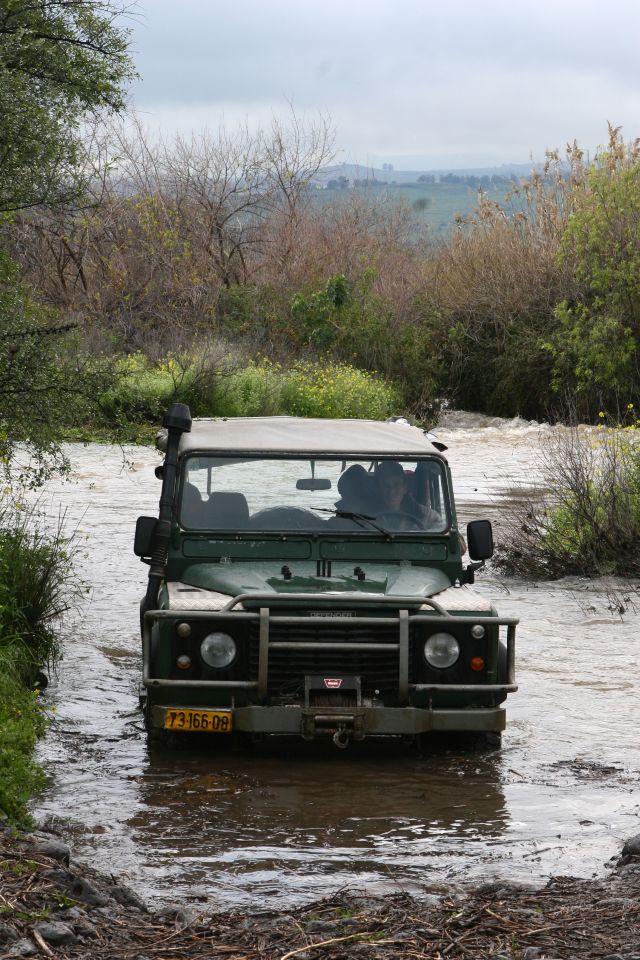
(177, 421)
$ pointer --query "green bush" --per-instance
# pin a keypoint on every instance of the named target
(22, 721)
(253, 391)
(337, 390)
(37, 586)
(260, 388)
(593, 341)
(141, 391)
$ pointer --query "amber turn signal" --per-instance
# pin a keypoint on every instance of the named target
(183, 662)
(477, 663)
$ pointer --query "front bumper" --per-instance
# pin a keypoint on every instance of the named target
(312, 724)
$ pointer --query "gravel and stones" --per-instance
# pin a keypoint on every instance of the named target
(73, 913)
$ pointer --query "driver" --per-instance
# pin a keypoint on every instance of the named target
(394, 496)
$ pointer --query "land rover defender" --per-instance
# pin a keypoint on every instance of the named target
(307, 579)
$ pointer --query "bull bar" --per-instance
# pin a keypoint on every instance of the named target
(263, 616)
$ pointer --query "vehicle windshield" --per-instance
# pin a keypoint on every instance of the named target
(286, 495)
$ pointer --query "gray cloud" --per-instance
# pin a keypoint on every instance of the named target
(415, 82)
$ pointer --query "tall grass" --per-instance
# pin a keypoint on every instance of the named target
(257, 388)
(22, 721)
(37, 586)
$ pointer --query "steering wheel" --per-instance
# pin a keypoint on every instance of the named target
(399, 520)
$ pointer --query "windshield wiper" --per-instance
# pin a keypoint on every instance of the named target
(357, 517)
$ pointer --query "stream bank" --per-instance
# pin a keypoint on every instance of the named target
(55, 907)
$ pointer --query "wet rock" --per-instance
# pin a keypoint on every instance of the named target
(127, 897)
(23, 948)
(323, 928)
(55, 933)
(53, 848)
(183, 918)
(631, 848)
(430, 900)
(400, 935)
(78, 888)
(621, 903)
(109, 910)
(7, 934)
(489, 888)
(80, 922)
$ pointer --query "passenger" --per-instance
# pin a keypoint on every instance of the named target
(394, 496)
(353, 487)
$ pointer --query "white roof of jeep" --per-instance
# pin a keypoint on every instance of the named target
(298, 435)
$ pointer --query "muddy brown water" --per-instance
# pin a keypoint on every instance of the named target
(282, 828)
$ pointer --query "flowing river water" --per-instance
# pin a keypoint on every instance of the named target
(267, 829)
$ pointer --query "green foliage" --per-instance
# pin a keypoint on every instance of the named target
(337, 390)
(142, 391)
(253, 391)
(59, 62)
(36, 587)
(22, 721)
(354, 324)
(594, 342)
(259, 388)
(322, 314)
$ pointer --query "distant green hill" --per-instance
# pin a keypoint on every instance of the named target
(436, 204)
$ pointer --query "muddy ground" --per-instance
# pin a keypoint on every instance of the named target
(51, 906)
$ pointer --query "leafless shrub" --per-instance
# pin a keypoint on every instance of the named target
(585, 520)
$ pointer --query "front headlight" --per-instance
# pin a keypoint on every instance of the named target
(218, 650)
(441, 650)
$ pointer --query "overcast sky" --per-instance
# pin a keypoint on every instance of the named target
(417, 83)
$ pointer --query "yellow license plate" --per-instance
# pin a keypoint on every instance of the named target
(199, 721)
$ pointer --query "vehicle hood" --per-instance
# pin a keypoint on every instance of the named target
(380, 579)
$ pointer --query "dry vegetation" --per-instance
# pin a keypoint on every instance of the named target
(222, 237)
(70, 912)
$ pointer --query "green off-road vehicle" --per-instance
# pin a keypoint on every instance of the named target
(307, 579)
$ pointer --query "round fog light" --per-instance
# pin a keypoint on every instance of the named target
(477, 631)
(218, 650)
(441, 650)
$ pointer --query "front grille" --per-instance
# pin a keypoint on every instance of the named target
(377, 669)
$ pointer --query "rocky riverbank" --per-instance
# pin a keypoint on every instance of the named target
(51, 906)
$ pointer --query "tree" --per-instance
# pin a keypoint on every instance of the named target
(60, 60)
(45, 381)
(595, 345)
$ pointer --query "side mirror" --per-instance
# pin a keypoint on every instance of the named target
(143, 541)
(480, 539)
